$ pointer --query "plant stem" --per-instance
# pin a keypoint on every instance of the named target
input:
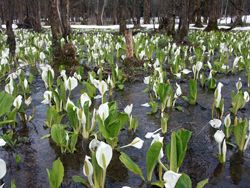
(103, 177)
(163, 166)
(220, 148)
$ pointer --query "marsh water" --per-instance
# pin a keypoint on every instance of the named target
(200, 161)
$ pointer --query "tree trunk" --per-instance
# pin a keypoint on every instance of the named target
(182, 35)
(2, 11)
(98, 13)
(198, 14)
(122, 20)
(115, 7)
(137, 4)
(129, 43)
(20, 13)
(55, 28)
(212, 24)
(238, 21)
(171, 17)
(163, 19)
(147, 12)
(64, 5)
(103, 7)
(9, 13)
(206, 12)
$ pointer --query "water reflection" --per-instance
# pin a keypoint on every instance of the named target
(236, 167)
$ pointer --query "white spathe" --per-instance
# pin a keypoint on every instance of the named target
(170, 179)
(104, 155)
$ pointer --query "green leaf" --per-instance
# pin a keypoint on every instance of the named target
(17, 157)
(220, 157)
(202, 183)
(152, 157)
(192, 91)
(78, 179)
(13, 184)
(130, 165)
(56, 175)
(45, 136)
(158, 183)
(179, 108)
(184, 181)
(121, 86)
(6, 102)
(97, 171)
(237, 102)
(31, 78)
(145, 90)
(182, 141)
(240, 132)
(58, 134)
(73, 142)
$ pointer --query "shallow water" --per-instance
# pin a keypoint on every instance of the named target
(200, 161)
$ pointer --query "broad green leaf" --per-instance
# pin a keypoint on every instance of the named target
(31, 78)
(152, 157)
(97, 171)
(237, 102)
(173, 153)
(130, 165)
(121, 86)
(50, 79)
(73, 142)
(56, 175)
(192, 91)
(182, 141)
(58, 134)
(240, 132)
(6, 102)
(184, 181)
(78, 179)
(202, 183)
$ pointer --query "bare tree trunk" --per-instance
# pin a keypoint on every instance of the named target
(206, 12)
(129, 43)
(212, 24)
(198, 14)
(20, 13)
(239, 13)
(2, 11)
(163, 19)
(64, 5)
(8, 10)
(182, 35)
(171, 17)
(115, 7)
(97, 13)
(55, 27)
(137, 4)
(122, 20)
(147, 12)
(103, 7)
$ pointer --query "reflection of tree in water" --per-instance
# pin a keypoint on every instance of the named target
(117, 172)
(236, 167)
(218, 174)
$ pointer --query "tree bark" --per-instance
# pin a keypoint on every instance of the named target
(147, 12)
(103, 7)
(182, 35)
(9, 13)
(64, 5)
(206, 12)
(129, 43)
(171, 17)
(20, 13)
(98, 13)
(115, 7)
(122, 20)
(198, 14)
(212, 24)
(55, 27)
